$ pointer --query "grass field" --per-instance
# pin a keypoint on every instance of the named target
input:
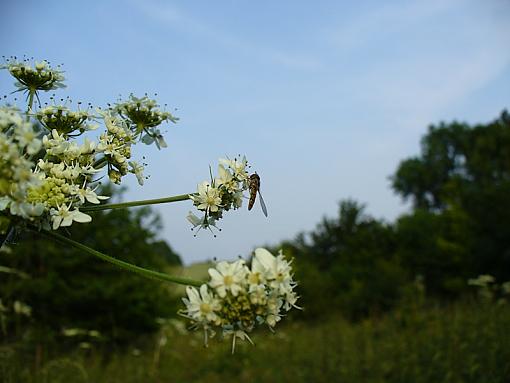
(458, 343)
(197, 271)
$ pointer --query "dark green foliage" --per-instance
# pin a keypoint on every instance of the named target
(71, 289)
(463, 177)
(458, 229)
(437, 247)
(347, 264)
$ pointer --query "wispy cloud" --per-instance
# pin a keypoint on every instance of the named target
(385, 20)
(173, 17)
(422, 57)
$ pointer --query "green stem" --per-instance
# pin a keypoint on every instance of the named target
(3, 237)
(31, 94)
(100, 163)
(182, 197)
(125, 265)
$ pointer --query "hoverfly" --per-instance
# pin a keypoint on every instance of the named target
(254, 186)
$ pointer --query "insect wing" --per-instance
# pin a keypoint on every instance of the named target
(262, 204)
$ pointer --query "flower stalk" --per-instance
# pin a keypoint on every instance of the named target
(124, 265)
(122, 205)
(100, 163)
(5, 236)
(31, 94)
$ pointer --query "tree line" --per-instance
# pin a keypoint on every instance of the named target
(458, 228)
(355, 264)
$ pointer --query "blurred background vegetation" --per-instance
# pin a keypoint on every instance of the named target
(383, 301)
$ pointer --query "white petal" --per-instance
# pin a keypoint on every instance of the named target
(67, 221)
(78, 216)
(195, 221)
(216, 278)
(266, 259)
(56, 221)
(235, 289)
(193, 295)
(221, 291)
(204, 292)
(224, 268)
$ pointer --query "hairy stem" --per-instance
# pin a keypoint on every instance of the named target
(121, 205)
(125, 265)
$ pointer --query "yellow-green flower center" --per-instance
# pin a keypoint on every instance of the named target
(228, 280)
(211, 200)
(205, 308)
(254, 278)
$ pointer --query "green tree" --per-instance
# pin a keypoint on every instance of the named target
(348, 263)
(70, 289)
(463, 171)
(436, 247)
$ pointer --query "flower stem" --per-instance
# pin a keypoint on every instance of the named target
(182, 197)
(31, 94)
(100, 163)
(5, 236)
(125, 265)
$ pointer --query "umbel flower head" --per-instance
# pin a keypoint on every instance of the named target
(239, 298)
(33, 77)
(46, 175)
(143, 115)
(223, 193)
(17, 137)
(64, 120)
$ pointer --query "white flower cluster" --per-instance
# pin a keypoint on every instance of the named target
(66, 173)
(47, 178)
(39, 76)
(488, 288)
(143, 116)
(482, 280)
(238, 298)
(46, 174)
(64, 120)
(221, 194)
(17, 138)
(116, 144)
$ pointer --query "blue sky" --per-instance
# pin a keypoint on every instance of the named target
(325, 98)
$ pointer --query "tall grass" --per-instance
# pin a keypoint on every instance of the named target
(458, 343)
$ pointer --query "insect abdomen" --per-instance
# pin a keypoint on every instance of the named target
(254, 188)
